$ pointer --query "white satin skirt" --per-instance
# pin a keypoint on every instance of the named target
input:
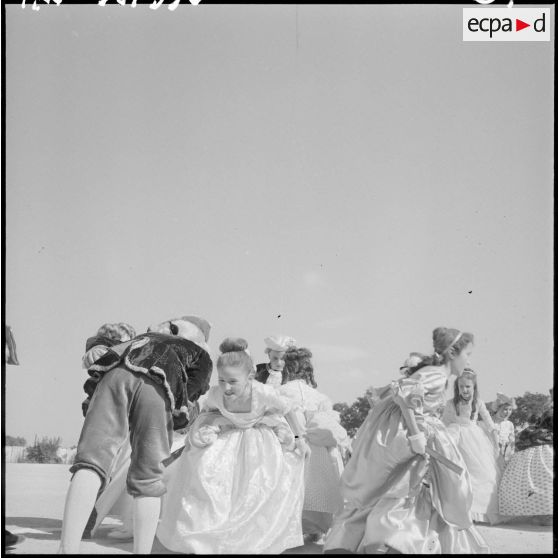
(243, 494)
(481, 457)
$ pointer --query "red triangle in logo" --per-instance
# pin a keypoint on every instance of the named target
(519, 25)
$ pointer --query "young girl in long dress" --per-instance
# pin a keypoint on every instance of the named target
(325, 435)
(477, 445)
(238, 487)
(395, 496)
(502, 408)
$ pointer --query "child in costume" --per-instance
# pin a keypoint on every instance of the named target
(325, 435)
(139, 388)
(114, 500)
(96, 346)
(502, 408)
(238, 486)
(107, 336)
(406, 486)
(478, 448)
(271, 372)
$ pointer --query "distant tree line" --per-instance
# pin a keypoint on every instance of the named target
(16, 441)
(353, 416)
(530, 407)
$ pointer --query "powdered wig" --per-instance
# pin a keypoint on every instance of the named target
(234, 352)
(468, 374)
(118, 332)
(181, 327)
(447, 342)
(298, 366)
(278, 343)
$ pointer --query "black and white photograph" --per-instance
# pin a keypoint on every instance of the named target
(277, 278)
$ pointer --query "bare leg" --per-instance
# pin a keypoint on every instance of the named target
(79, 503)
(127, 511)
(128, 515)
(146, 518)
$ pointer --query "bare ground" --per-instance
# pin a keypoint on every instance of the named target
(35, 505)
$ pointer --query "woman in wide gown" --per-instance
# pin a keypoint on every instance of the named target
(239, 485)
(396, 496)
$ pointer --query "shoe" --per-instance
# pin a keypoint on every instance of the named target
(11, 540)
(543, 520)
(310, 537)
(121, 535)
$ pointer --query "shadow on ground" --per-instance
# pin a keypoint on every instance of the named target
(521, 524)
(47, 529)
(41, 528)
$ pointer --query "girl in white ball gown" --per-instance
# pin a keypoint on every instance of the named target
(479, 446)
(238, 487)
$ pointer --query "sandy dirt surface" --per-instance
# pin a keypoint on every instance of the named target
(35, 505)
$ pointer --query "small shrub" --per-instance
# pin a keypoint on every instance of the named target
(44, 451)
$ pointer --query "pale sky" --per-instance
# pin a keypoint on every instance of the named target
(353, 176)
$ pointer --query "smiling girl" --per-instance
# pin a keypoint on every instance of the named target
(478, 446)
(503, 407)
(239, 485)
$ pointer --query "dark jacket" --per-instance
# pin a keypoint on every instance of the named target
(179, 365)
(262, 373)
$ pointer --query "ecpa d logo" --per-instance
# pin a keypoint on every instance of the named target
(506, 24)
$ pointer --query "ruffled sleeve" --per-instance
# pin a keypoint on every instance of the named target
(408, 392)
(423, 392)
(272, 401)
(432, 380)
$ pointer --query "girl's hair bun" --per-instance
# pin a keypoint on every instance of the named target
(233, 345)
